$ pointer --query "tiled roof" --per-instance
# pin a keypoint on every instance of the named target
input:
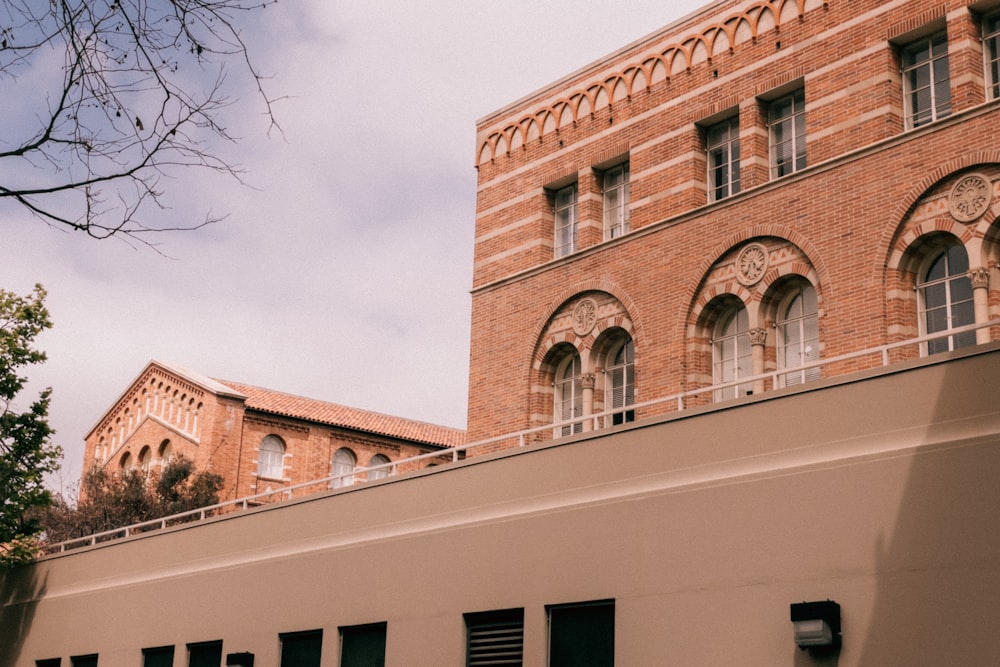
(288, 405)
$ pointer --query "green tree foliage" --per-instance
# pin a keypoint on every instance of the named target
(26, 453)
(110, 500)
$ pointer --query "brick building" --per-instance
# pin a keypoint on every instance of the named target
(758, 186)
(259, 440)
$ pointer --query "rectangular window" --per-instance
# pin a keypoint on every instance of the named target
(926, 86)
(786, 120)
(616, 198)
(991, 51)
(84, 660)
(205, 654)
(363, 645)
(582, 635)
(301, 649)
(722, 143)
(494, 638)
(51, 662)
(161, 656)
(564, 208)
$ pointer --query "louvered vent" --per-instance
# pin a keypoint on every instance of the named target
(495, 638)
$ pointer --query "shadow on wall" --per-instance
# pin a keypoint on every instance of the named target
(937, 568)
(21, 592)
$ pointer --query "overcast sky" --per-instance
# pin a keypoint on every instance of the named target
(344, 273)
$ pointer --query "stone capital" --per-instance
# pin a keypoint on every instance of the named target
(588, 380)
(758, 336)
(980, 278)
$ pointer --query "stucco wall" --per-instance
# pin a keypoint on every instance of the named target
(878, 492)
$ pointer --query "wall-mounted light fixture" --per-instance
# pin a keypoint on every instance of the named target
(244, 659)
(817, 625)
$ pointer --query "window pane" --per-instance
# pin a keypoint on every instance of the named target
(582, 635)
(84, 660)
(363, 645)
(301, 649)
(205, 654)
(162, 656)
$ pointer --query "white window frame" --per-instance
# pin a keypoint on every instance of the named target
(343, 465)
(378, 473)
(722, 154)
(271, 458)
(620, 375)
(564, 211)
(949, 306)
(786, 123)
(568, 394)
(938, 89)
(991, 53)
(616, 201)
(732, 355)
(798, 335)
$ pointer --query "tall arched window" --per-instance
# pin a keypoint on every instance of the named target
(145, 458)
(569, 394)
(378, 473)
(164, 452)
(343, 465)
(271, 458)
(798, 335)
(620, 382)
(731, 355)
(946, 299)
(125, 462)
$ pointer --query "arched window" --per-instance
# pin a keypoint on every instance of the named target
(164, 452)
(946, 299)
(271, 458)
(343, 468)
(125, 462)
(145, 458)
(731, 355)
(620, 382)
(569, 394)
(378, 473)
(798, 335)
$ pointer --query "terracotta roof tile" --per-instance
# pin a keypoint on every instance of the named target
(289, 405)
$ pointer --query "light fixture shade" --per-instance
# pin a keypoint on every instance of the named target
(814, 632)
(816, 624)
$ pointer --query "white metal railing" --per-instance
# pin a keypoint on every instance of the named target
(588, 423)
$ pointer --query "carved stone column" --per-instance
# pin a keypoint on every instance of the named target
(981, 301)
(758, 337)
(587, 381)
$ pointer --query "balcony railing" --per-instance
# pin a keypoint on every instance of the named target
(874, 357)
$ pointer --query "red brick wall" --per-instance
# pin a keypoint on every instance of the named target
(837, 224)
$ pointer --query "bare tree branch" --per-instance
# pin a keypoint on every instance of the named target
(138, 95)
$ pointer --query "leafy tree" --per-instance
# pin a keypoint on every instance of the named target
(105, 97)
(26, 453)
(109, 500)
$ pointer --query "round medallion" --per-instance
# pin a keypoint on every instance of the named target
(751, 264)
(970, 197)
(584, 317)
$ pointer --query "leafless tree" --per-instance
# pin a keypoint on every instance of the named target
(120, 94)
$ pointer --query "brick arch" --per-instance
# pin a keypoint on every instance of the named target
(754, 15)
(594, 285)
(819, 272)
(904, 209)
